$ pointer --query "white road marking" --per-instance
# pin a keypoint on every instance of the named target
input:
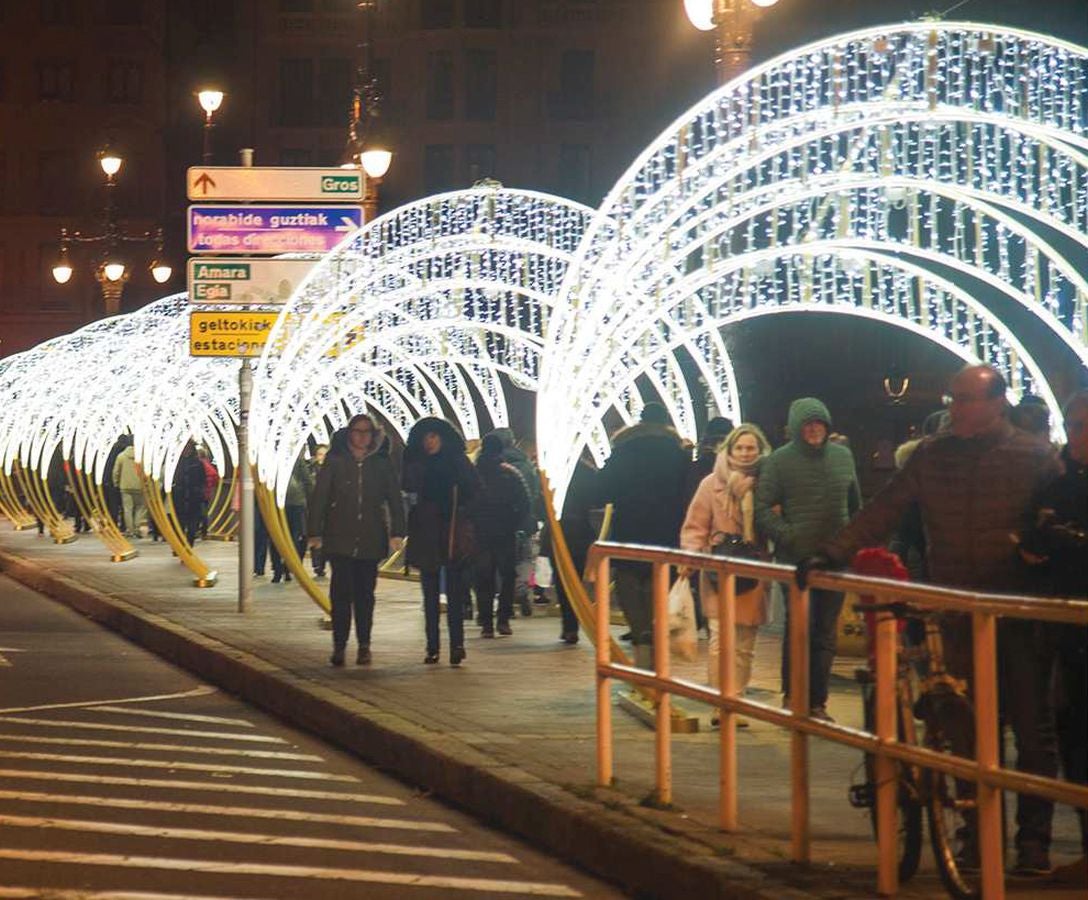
(180, 732)
(371, 876)
(216, 787)
(249, 838)
(139, 746)
(174, 764)
(15, 893)
(159, 714)
(238, 811)
(195, 692)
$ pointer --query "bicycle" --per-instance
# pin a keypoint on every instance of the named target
(934, 711)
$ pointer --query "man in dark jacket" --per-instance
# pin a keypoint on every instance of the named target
(644, 481)
(188, 492)
(528, 538)
(355, 495)
(974, 485)
(807, 491)
(497, 513)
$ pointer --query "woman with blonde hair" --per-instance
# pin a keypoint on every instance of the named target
(721, 511)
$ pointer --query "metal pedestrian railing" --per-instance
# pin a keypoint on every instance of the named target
(985, 769)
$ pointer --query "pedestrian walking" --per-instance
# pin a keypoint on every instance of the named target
(188, 492)
(497, 514)
(126, 479)
(441, 485)
(723, 511)
(317, 558)
(211, 482)
(299, 487)
(528, 538)
(644, 481)
(807, 491)
(356, 513)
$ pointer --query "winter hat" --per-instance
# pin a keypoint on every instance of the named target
(491, 446)
(654, 413)
(718, 427)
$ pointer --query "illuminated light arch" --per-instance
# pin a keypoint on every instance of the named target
(434, 301)
(978, 132)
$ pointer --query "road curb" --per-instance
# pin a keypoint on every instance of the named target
(592, 831)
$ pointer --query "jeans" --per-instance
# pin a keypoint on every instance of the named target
(132, 502)
(260, 543)
(351, 590)
(634, 590)
(496, 557)
(1071, 713)
(744, 643)
(823, 618)
(456, 592)
(570, 620)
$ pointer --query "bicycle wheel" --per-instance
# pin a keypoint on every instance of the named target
(910, 806)
(950, 805)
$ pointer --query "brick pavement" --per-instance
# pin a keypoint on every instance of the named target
(524, 705)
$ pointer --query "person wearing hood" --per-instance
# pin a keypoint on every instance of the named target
(808, 489)
(724, 505)
(188, 491)
(528, 542)
(355, 495)
(441, 485)
(644, 481)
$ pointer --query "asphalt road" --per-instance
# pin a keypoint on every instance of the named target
(123, 777)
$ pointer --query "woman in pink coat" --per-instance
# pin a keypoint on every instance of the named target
(723, 505)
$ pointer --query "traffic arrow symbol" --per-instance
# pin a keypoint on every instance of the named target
(346, 224)
(204, 182)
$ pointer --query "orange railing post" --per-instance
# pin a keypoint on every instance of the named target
(887, 784)
(727, 719)
(663, 729)
(987, 755)
(604, 683)
(799, 688)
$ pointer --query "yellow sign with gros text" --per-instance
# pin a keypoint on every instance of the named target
(230, 333)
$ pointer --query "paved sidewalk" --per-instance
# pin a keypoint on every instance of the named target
(509, 736)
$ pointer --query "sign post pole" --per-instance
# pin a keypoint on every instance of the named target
(246, 511)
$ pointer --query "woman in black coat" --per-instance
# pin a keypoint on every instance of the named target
(440, 483)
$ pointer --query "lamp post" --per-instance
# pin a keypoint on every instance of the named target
(111, 273)
(210, 101)
(367, 145)
(733, 21)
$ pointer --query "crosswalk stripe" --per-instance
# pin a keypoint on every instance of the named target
(179, 732)
(239, 811)
(173, 764)
(18, 893)
(237, 837)
(95, 704)
(162, 714)
(371, 876)
(140, 746)
(169, 784)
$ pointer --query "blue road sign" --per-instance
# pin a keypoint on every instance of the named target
(258, 228)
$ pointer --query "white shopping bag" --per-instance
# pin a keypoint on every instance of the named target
(683, 639)
(542, 572)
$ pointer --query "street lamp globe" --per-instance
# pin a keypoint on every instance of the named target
(764, 3)
(210, 100)
(62, 272)
(114, 271)
(161, 272)
(701, 13)
(375, 161)
(110, 163)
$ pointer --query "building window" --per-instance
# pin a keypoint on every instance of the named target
(440, 85)
(333, 91)
(436, 13)
(296, 156)
(573, 180)
(56, 182)
(55, 12)
(296, 94)
(296, 6)
(483, 13)
(125, 82)
(120, 12)
(479, 162)
(575, 97)
(481, 85)
(55, 81)
(438, 168)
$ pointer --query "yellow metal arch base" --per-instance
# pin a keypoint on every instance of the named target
(36, 490)
(92, 506)
(275, 521)
(11, 506)
(161, 509)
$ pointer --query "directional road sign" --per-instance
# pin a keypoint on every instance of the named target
(257, 282)
(232, 333)
(253, 184)
(270, 229)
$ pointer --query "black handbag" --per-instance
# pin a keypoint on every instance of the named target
(724, 544)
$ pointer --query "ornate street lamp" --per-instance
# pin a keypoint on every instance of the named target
(111, 273)
(210, 100)
(733, 20)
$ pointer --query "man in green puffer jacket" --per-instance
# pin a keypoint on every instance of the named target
(807, 490)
